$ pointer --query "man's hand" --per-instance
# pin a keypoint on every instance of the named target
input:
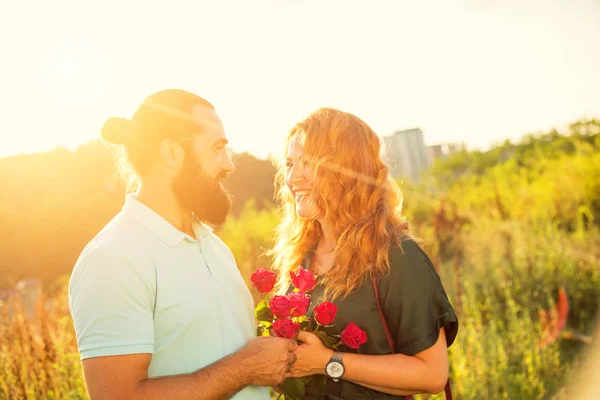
(268, 359)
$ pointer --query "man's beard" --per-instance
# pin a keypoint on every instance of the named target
(201, 194)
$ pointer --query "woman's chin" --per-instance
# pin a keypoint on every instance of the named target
(303, 211)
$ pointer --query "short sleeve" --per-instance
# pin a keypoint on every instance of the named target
(415, 303)
(111, 299)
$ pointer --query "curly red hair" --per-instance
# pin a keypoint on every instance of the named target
(361, 202)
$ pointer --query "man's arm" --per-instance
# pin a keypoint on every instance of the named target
(111, 299)
(264, 362)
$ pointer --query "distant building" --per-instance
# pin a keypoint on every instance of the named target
(443, 150)
(30, 291)
(27, 293)
(406, 154)
(6, 294)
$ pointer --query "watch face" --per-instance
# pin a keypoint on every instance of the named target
(335, 369)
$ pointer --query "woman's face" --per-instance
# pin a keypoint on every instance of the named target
(299, 180)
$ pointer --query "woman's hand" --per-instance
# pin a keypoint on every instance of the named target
(312, 356)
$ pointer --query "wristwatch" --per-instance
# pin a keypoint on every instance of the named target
(335, 367)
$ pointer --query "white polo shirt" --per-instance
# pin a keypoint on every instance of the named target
(143, 286)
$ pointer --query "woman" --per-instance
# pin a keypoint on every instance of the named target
(342, 220)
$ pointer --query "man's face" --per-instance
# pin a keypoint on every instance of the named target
(198, 187)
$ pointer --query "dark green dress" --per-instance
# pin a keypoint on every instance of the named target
(415, 306)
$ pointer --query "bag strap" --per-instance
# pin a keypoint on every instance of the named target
(392, 343)
(386, 328)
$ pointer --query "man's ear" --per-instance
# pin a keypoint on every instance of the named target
(172, 154)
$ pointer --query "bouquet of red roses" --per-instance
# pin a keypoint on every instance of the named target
(285, 316)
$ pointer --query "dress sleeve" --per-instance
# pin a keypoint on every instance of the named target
(414, 302)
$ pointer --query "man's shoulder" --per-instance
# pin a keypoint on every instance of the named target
(115, 247)
(120, 235)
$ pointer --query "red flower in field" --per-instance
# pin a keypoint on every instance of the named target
(325, 313)
(280, 307)
(553, 321)
(353, 336)
(299, 303)
(286, 328)
(304, 280)
(263, 280)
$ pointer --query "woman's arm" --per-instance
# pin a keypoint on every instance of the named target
(426, 371)
(396, 374)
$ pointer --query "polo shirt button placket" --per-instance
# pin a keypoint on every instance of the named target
(204, 259)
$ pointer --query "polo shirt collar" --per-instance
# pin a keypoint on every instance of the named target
(156, 224)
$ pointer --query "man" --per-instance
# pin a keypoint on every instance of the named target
(160, 309)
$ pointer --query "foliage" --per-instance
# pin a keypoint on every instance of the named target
(506, 228)
(53, 203)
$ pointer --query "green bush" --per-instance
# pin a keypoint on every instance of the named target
(506, 229)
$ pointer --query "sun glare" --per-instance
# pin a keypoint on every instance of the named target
(66, 86)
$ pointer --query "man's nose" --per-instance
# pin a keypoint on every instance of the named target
(228, 163)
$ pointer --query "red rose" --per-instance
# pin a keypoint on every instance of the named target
(325, 313)
(353, 336)
(280, 307)
(285, 328)
(263, 280)
(304, 280)
(299, 303)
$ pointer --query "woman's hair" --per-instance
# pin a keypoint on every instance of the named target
(168, 114)
(361, 202)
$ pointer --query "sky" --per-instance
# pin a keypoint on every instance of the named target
(470, 71)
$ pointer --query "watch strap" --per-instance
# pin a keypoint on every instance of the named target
(337, 356)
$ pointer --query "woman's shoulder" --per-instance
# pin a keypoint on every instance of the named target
(408, 260)
(405, 250)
